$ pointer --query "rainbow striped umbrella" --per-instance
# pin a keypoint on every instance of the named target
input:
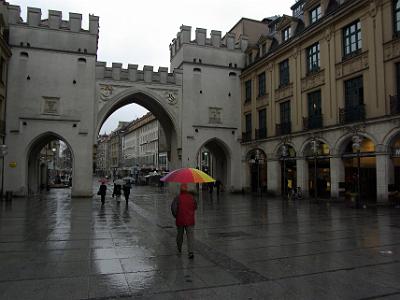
(187, 175)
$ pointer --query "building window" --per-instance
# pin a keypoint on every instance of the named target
(285, 126)
(263, 49)
(314, 104)
(315, 14)
(284, 73)
(396, 16)
(248, 91)
(354, 92)
(261, 84)
(248, 123)
(285, 112)
(250, 58)
(262, 118)
(286, 33)
(352, 38)
(313, 58)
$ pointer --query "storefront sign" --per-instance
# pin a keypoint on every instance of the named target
(396, 152)
(12, 164)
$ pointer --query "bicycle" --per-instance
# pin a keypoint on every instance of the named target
(296, 194)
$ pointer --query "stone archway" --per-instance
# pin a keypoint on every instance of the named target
(37, 174)
(359, 166)
(166, 114)
(214, 158)
(257, 161)
(317, 154)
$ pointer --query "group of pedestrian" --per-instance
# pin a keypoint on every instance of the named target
(119, 187)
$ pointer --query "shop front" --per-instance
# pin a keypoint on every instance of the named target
(317, 154)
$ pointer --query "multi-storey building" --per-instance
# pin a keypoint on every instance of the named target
(320, 105)
(143, 144)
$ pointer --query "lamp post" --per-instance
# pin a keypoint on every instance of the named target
(257, 160)
(284, 153)
(357, 147)
(314, 145)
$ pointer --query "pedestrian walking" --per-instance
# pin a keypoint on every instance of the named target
(127, 190)
(218, 184)
(184, 206)
(102, 192)
(117, 190)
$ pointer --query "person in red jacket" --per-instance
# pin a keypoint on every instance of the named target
(185, 219)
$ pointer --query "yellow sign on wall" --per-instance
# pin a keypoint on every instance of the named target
(13, 164)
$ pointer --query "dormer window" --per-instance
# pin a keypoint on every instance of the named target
(263, 49)
(315, 14)
(286, 33)
(250, 58)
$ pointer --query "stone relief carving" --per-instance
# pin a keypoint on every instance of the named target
(106, 92)
(51, 106)
(284, 92)
(313, 81)
(214, 115)
(352, 65)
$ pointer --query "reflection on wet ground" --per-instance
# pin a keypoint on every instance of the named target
(55, 247)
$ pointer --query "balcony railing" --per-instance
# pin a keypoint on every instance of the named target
(312, 122)
(394, 105)
(352, 114)
(2, 127)
(246, 136)
(261, 133)
(283, 128)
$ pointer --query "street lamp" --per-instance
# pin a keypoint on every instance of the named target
(357, 147)
(284, 153)
(258, 160)
(314, 146)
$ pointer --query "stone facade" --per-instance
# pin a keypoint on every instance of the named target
(342, 85)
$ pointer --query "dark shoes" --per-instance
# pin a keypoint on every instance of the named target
(191, 255)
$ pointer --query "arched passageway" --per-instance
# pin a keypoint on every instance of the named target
(287, 156)
(359, 161)
(153, 104)
(317, 154)
(214, 159)
(49, 163)
(257, 161)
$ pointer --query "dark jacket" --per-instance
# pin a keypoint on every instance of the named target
(186, 209)
(117, 190)
(102, 189)
(127, 189)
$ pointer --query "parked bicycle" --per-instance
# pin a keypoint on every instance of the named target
(296, 194)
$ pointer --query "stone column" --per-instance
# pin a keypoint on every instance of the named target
(337, 175)
(302, 175)
(382, 177)
(274, 177)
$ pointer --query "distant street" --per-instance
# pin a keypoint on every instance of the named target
(52, 247)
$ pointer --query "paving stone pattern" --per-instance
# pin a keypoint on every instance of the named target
(55, 247)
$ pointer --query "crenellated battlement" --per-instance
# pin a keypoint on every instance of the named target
(54, 21)
(132, 73)
(215, 40)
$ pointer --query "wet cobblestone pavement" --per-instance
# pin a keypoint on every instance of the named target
(55, 247)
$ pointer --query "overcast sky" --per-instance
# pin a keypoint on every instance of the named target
(140, 31)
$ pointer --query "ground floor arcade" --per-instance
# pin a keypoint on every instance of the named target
(339, 163)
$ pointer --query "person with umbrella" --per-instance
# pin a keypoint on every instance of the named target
(118, 189)
(184, 205)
